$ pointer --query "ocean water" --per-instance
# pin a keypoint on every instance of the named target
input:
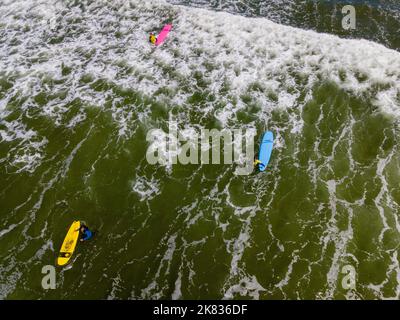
(80, 88)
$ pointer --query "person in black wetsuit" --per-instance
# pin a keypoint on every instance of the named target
(85, 233)
(152, 38)
(257, 163)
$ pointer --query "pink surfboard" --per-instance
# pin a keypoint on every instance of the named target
(163, 34)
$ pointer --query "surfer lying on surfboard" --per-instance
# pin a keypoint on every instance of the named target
(162, 35)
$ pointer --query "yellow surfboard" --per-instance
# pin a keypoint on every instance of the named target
(69, 244)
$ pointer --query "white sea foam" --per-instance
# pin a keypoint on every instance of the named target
(259, 51)
(154, 289)
(248, 286)
(7, 230)
(178, 284)
(146, 189)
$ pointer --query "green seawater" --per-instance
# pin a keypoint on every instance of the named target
(74, 116)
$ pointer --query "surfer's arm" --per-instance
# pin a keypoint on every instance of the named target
(84, 237)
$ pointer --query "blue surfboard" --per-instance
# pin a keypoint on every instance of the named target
(266, 146)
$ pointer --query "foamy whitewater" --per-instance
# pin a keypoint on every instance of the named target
(80, 87)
